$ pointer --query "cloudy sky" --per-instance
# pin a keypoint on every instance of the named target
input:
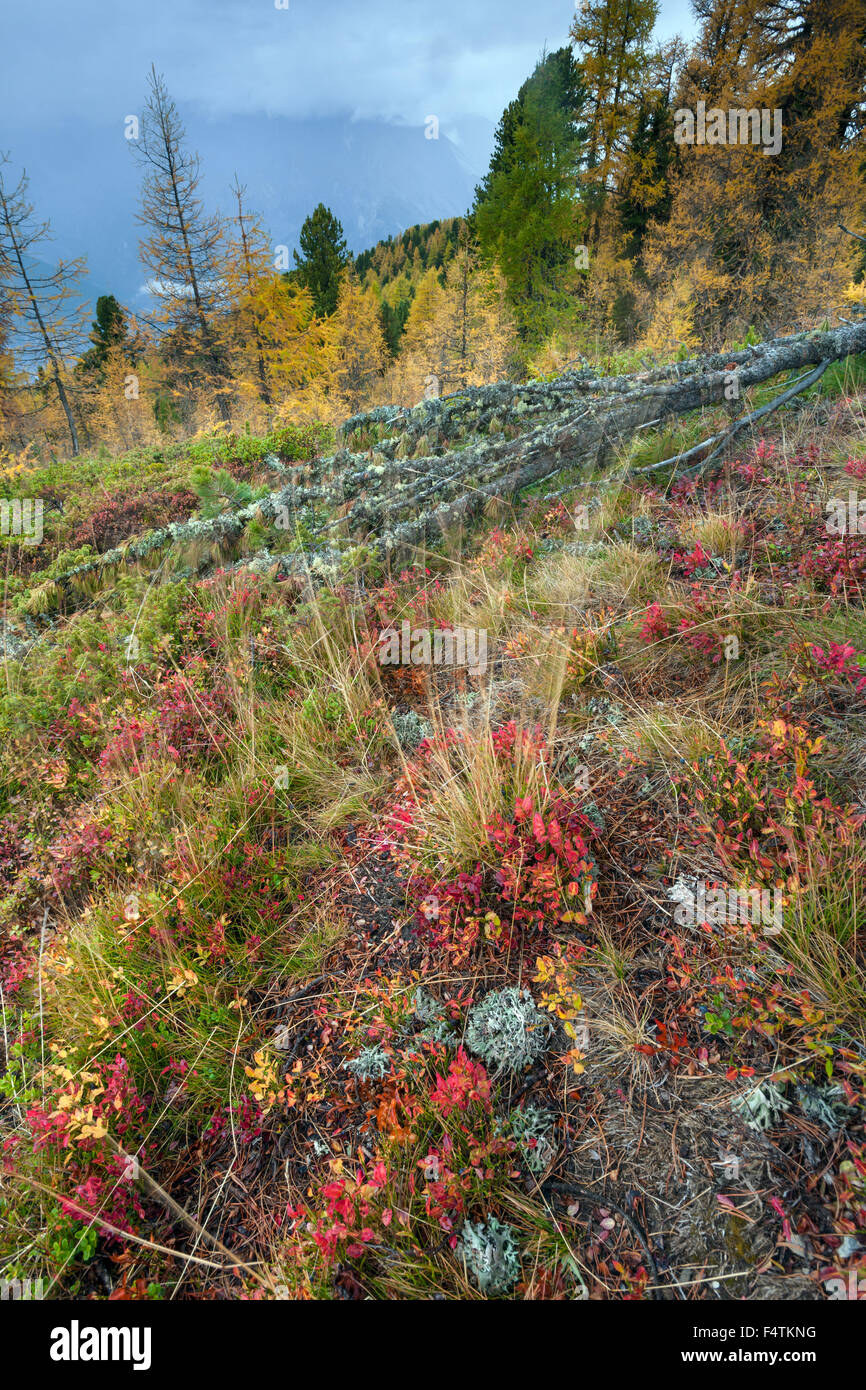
(391, 59)
(311, 102)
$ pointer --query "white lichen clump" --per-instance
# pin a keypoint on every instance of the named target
(761, 1107)
(506, 1030)
(491, 1255)
(532, 1131)
(371, 1064)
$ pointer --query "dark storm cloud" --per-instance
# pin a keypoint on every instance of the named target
(324, 101)
(382, 58)
(391, 59)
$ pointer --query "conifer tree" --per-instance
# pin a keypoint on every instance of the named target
(325, 257)
(108, 328)
(183, 244)
(394, 318)
(753, 238)
(7, 363)
(422, 311)
(648, 164)
(612, 38)
(248, 267)
(354, 351)
(111, 331)
(44, 306)
(526, 214)
(460, 333)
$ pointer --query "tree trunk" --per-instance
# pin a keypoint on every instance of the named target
(588, 416)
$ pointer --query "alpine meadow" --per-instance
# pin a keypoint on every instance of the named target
(433, 700)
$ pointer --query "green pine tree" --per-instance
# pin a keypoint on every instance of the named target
(108, 330)
(526, 214)
(324, 258)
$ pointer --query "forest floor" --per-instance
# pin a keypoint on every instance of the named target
(535, 977)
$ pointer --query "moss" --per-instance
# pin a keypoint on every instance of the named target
(737, 1241)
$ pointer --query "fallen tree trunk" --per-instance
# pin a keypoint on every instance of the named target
(583, 435)
(375, 497)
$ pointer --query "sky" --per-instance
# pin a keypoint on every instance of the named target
(304, 100)
(382, 59)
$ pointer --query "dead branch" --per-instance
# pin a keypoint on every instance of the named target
(378, 497)
(722, 439)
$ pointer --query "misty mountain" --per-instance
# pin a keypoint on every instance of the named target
(379, 178)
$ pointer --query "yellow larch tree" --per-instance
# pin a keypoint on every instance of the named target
(271, 336)
(353, 355)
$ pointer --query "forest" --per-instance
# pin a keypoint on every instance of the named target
(598, 232)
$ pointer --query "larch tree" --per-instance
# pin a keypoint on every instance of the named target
(644, 196)
(460, 333)
(459, 317)
(183, 244)
(467, 333)
(354, 350)
(644, 193)
(272, 334)
(7, 363)
(43, 306)
(753, 237)
(416, 371)
(248, 265)
(422, 311)
(110, 378)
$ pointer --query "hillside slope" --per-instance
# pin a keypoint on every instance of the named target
(405, 897)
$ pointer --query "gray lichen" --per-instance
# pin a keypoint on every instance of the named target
(825, 1106)
(410, 729)
(532, 1130)
(506, 1030)
(427, 1010)
(426, 1006)
(761, 1106)
(371, 1063)
(490, 1254)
